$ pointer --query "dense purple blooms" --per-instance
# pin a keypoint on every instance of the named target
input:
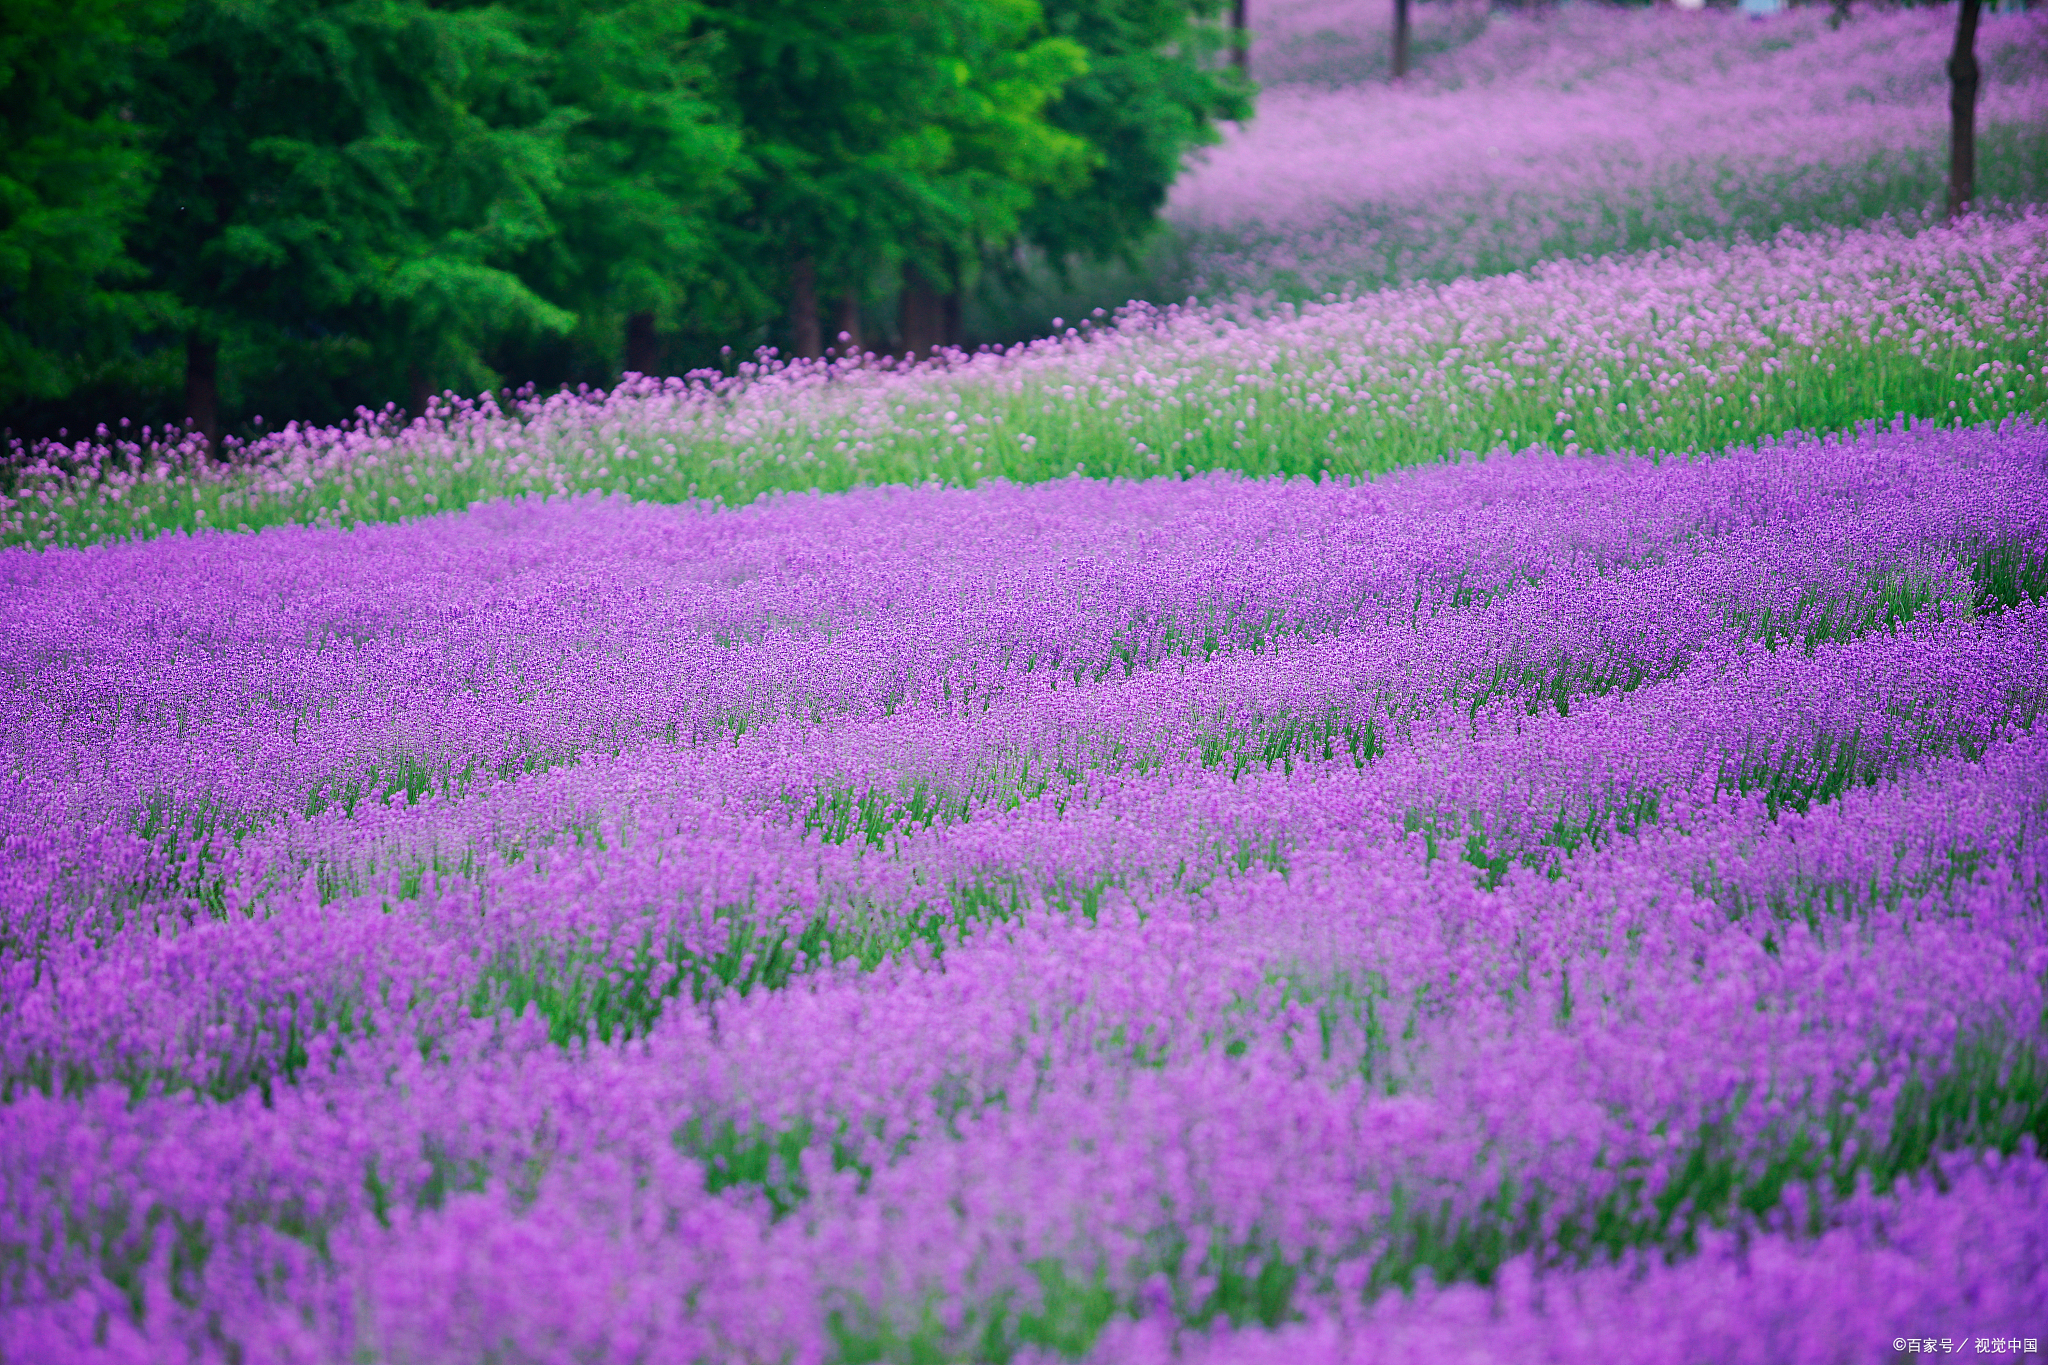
(1546, 907)
(1697, 346)
(1525, 905)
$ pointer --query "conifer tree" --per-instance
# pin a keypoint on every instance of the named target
(890, 141)
(75, 174)
(648, 173)
(372, 166)
(1153, 92)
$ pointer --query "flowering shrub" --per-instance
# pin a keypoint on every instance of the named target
(1516, 903)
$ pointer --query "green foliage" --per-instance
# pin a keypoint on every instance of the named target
(74, 175)
(346, 201)
(648, 171)
(1153, 91)
(373, 167)
(880, 135)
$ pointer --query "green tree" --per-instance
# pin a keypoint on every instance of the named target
(889, 141)
(1154, 91)
(74, 176)
(370, 167)
(648, 174)
(1006, 156)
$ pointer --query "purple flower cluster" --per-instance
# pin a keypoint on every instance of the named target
(1696, 347)
(1523, 907)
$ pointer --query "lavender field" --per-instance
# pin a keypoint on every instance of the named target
(1591, 131)
(1501, 818)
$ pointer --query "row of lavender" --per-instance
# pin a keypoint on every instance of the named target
(1694, 348)
(1512, 903)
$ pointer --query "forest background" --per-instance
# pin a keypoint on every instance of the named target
(211, 210)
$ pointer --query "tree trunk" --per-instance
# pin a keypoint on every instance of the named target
(421, 392)
(1962, 111)
(921, 318)
(950, 330)
(804, 332)
(1240, 54)
(642, 353)
(1400, 39)
(202, 389)
(849, 324)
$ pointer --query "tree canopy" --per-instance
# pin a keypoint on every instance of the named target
(887, 136)
(646, 172)
(75, 172)
(1152, 92)
(313, 204)
(374, 167)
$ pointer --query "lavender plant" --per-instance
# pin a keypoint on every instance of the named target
(1525, 135)
(1690, 349)
(1512, 903)
(782, 867)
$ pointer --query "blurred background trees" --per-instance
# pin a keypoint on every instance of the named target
(213, 211)
(1154, 87)
(350, 188)
(75, 173)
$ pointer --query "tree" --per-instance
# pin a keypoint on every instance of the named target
(1400, 61)
(889, 140)
(1150, 95)
(1962, 111)
(648, 169)
(371, 166)
(1005, 157)
(74, 176)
